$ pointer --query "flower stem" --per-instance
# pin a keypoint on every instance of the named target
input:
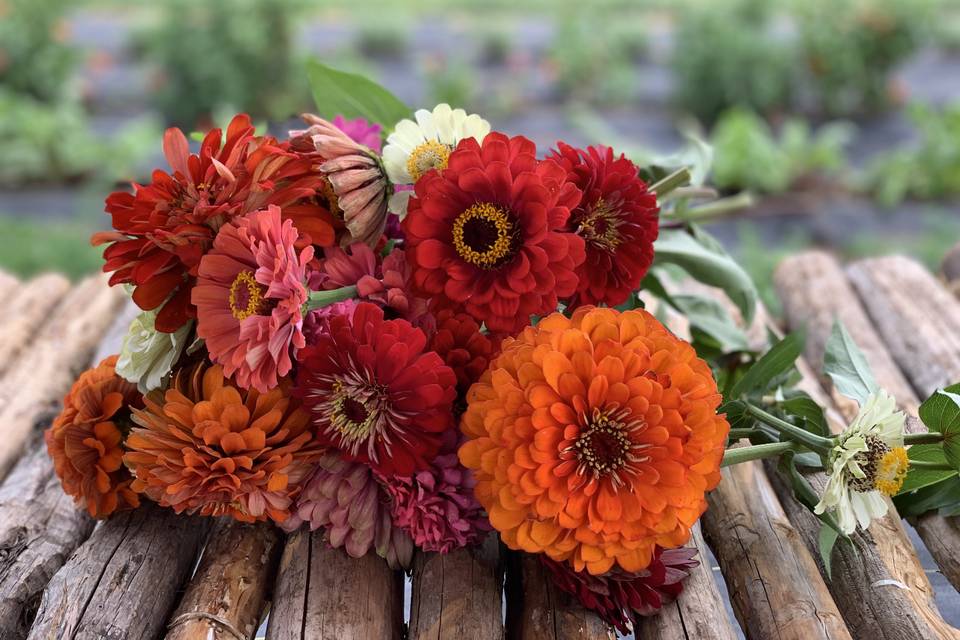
(319, 299)
(931, 466)
(931, 437)
(668, 183)
(755, 452)
(804, 437)
(719, 207)
(736, 434)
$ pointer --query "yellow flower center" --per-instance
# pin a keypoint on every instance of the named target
(891, 471)
(246, 296)
(599, 226)
(483, 235)
(429, 155)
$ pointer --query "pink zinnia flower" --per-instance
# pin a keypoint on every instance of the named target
(361, 131)
(249, 296)
(436, 506)
(346, 500)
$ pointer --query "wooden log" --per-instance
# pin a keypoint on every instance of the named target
(950, 268)
(8, 284)
(458, 594)
(35, 385)
(226, 596)
(123, 581)
(40, 526)
(323, 594)
(815, 290)
(699, 612)
(25, 315)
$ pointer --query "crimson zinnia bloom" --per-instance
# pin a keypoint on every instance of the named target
(164, 228)
(617, 595)
(487, 234)
(618, 218)
(374, 393)
(462, 346)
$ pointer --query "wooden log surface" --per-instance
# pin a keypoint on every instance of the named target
(698, 614)
(323, 594)
(458, 595)
(27, 310)
(815, 290)
(226, 596)
(122, 583)
(8, 284)
(37, 382)
(950, 268)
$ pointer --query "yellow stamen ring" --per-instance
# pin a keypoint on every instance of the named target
(429, 155)
(246, 296)
(891, 471)
(483, 235)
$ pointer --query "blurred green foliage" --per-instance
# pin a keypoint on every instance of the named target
(31, 246)
(35, 59)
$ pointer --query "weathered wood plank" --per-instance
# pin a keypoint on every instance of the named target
(8, 283)
(25, 315)
(950, 268)
(35, 385)
(122, 583)
(458, 595)
(323, 594)
(225, 598)
(698, 613)
(815, 291)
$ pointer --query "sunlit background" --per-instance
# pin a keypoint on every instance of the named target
(842, 117)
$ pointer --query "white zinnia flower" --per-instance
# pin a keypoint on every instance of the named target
(147, 355)
(869, 462)
(414, 148)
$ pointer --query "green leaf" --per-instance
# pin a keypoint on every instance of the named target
(920, 478)
(708, 263)
(711, 317)
(804, 491)
(941, 412)
(943, 496)
(826, 541)
(803, 406)
(847, 366)
(779, 359)
(353, 96)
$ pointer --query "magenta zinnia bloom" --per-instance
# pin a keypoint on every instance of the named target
(346, 500)
(359, 130)
(617, 595)
(249, 296)
(436, 506)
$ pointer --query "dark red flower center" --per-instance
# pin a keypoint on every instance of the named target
(599, 226)
(354, 411)
(484, 235)
(604, 447)
(246, 296)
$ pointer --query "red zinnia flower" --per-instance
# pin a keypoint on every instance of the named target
(616, 595)
(486, 234)
(618, 220)
(164, 228)
(374, 393)
(462, 346)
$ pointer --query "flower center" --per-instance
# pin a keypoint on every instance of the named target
(483, 235)
(600, 225)
(885, 469)
(333, 201)
(604, 447)
(429, 155)
(246, 296)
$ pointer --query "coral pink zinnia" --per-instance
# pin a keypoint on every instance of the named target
(617, 218)
(488, 233)
(374, 393)
(249, 296)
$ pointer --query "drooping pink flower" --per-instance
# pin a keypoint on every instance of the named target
(346, 500)
(249, 296)
(436, 506)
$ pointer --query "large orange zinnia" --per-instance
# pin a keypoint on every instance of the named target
(594, 438)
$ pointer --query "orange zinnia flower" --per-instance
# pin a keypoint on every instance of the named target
(207, 447)
(594, 439)
(85, 440)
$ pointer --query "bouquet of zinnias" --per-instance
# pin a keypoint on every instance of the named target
(405, 341)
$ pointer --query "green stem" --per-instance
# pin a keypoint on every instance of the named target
(931, 437)
(804, 437)
(755, 452)
(931, 466)
(668, 183)
(320, 299)
(736, 434)
(719, 207)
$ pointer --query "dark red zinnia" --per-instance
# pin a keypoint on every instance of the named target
(618, 219)
(374, 393)
(487, 234)
(163, 229)
(462, 346)
(617, 596)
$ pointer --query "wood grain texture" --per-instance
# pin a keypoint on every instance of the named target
(950, 268)
(27, 310)
(226, 596)
(815, 291)
(458, 595)
(122, 583)
(34, 386)
(323, 594)
(8, 284)
(698, 613)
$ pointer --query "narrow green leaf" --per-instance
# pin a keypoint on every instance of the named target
(353, 96)
(826, 541)
(779, 359)
(920, 478)
(943, 496)
(711, 317)
(847, 366)
(803, 406)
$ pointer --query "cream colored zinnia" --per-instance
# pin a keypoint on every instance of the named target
(148, 355)
(868, 463)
